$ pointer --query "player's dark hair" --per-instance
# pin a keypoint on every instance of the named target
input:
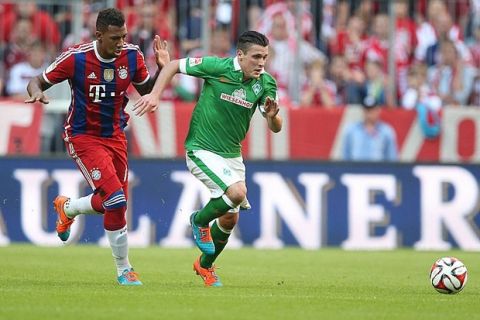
(249, 38)
(110, 17)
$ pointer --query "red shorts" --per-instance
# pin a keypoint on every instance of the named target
(102, 161)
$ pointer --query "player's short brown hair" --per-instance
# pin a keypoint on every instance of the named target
(109, 17)
(249, 38)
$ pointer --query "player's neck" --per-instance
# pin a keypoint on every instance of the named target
(100, 54)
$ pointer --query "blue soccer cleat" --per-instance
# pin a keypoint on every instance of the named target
(202, 237)
(129, 278)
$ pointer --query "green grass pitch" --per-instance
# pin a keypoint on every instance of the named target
(78, 282)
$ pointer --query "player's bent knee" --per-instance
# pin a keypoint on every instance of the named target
(237, 193)
(116, 200)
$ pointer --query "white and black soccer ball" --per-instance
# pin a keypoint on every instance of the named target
(448, 275)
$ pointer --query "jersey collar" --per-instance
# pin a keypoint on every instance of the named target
(236, 65)
(98, 54)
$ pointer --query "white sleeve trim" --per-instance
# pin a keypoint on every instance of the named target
(143, 82)
(46, 79)
(183, 65)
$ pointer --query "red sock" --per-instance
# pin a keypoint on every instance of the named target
(114, 219)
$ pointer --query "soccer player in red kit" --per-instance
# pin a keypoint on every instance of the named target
(99, 74)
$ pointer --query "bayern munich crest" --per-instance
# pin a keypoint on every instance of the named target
(96, 174)
(122, 72)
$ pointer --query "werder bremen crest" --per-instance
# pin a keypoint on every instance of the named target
(108, 74)
(257, 87)
(240, 93)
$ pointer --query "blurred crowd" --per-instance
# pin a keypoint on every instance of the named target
(324, 54)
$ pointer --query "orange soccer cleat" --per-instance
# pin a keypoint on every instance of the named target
(63, 222)
(208, 275)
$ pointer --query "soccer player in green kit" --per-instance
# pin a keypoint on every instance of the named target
(233, 89)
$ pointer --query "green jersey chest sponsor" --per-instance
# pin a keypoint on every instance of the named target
(238, 97)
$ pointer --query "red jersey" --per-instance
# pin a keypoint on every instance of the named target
(98, 87)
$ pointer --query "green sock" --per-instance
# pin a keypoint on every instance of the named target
(220, 240)
(214, 209)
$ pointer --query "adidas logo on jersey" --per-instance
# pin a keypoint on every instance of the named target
(92, 76)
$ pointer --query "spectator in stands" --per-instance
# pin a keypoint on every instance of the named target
(144, 31)
(281, 34)
(44, 27)
(404, 43)
(446, 30)
(350, 43)
(88, 31)
(473, 22)
(318, 91)
(22, 72)
(475, 47)
(378, 45)
(190, 33)
(370, 139)
(365, 11)
(420, 97)
(425, 31)
(375, 84)
(452, 78)
(20, 41)
(340, 75)
(187, 88)
(419, 90)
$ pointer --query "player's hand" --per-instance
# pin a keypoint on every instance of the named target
(37, 97)
(160, 48)
(146, 103)
(271, 107)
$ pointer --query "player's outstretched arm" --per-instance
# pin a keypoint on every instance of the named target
(271, 113)
(35, 88)
(149, 102)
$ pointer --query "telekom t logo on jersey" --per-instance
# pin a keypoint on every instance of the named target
(97, 91)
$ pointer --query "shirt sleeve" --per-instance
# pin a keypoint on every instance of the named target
(61, 69)
(204, 67)
(141, 75)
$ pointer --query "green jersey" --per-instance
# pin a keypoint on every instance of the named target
(222, 115)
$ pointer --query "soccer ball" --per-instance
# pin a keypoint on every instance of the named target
(448, 275)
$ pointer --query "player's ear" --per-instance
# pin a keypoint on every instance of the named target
(240, 54)
(98, 35)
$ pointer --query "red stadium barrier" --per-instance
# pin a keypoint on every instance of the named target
(20, 128)
(316, 134)
(308, 134)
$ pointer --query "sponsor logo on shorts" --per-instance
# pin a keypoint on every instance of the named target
(96, 174)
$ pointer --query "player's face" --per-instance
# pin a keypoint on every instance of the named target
(252, 61)
(110, 42)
